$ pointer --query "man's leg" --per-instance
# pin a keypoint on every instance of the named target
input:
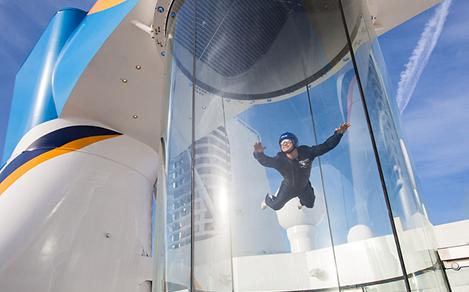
(277, 202)
(307, 196)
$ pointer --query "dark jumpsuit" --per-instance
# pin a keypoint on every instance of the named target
(296, 172)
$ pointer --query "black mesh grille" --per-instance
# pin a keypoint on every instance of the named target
(231, 34)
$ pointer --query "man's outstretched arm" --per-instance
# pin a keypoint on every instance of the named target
(331, 142)
(263, 159)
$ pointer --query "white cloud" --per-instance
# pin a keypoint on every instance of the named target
(421, 54)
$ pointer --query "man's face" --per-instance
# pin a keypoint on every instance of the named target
(286, 145)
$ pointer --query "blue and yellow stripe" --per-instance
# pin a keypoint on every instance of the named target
(51, 145)
(102, 5)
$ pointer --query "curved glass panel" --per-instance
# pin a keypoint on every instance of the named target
(244, 216)
(361, 231)
(250, 91)
(245, 248)
(413, 227)
(175, 201)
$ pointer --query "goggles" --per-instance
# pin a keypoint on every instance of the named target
(286, 142)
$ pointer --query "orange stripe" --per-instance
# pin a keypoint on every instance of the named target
(101, 5)
(69, 147)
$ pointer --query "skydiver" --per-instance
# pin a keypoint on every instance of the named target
(294, 164)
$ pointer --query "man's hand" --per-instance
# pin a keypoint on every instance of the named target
(258, 147)
(342, 128)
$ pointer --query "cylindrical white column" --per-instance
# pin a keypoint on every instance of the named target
(300, 223)
(301, 238)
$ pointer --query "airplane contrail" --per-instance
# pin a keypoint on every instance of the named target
(419, 58)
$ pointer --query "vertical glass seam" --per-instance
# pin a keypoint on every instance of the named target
(193, 146)
(443, 270)
(229, 202)
(323, 189)
(375, 149)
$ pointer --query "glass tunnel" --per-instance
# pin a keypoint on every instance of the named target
(243, 72)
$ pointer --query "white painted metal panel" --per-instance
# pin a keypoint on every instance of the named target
(80, 221)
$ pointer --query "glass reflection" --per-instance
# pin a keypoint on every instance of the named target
(246, 72)
(262, 241)
(178, 194)
(177, 204)
(413, 227)
(352, 186)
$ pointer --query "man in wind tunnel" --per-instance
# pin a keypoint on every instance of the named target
(294, 164)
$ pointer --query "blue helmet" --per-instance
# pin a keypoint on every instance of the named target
(289, 136)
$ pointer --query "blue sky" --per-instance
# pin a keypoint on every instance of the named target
(23, 22)
(433, 119)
